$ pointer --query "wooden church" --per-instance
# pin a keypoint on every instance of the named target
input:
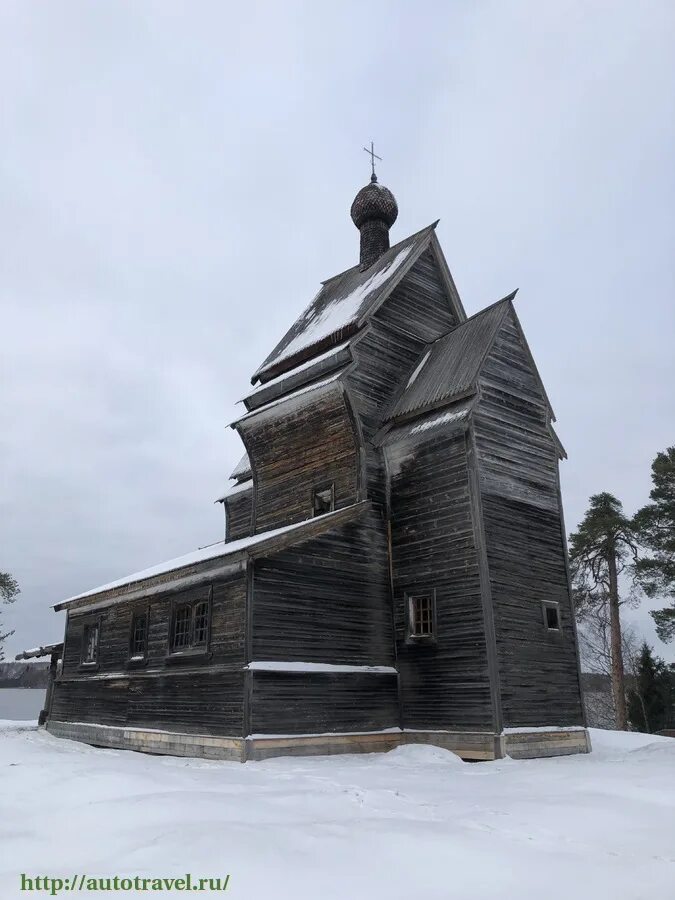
(394, 566)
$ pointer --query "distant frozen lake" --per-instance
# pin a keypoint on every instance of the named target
(21, 703)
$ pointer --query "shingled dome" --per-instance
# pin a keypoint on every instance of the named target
(374, 201)
(374, 211)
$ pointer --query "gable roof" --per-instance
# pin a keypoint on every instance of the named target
(261, 544)
(449, 366)
(342, 304)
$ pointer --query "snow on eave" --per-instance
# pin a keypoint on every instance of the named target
(243, 468)
(288, 373)
(287, 398)
(214, 551)
(443, 418)
(237, 488)
(271, 665)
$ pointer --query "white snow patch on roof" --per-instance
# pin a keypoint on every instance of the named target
(333, 351)
(242, 467)
(443, 419)
(342, 310)
(288, 397)
(238, 488)
(221, 548)
(418, 368)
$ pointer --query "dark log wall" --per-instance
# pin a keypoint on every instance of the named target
(445, 684)
(196, 702)
(202, 693)
(297, 445)
(416, 312)
(327, 600)
(318, 703)
(525, 545)
(239, 515)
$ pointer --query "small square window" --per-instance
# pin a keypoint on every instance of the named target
(139, 636)
(421, 615)
(90, 643)
(551, 612)
(323, 499)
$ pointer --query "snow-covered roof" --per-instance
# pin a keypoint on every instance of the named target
(37, 652)
(243, 468)
(225, 549)
(315, 360)
(287, 398)
(238, 488)
(344, 300)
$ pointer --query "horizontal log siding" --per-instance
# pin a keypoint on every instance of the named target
(307, 442)
(316, 703)
(445, 684)
(158, 695)
(226, 645)
(537, 667)
(515, 449)
(195, 702)
(239, 515)
(327, 600)
(524, 542)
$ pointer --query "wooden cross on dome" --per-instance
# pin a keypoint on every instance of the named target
(373, 157)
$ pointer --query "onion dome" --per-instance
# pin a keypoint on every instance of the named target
(374, 201)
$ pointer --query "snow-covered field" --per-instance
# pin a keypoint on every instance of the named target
(416, 823)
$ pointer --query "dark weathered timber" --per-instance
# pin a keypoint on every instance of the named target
(326, 601)
(518, 464)
(444, 484)
(296, 445)
(160, 687)
(418, 310)
(318, 369)
(203, 702)
(445, 683)
(239, 514)
(322, 702)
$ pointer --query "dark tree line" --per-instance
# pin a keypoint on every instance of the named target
(9, 591)
(607, 544)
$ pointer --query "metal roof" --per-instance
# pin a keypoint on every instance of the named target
(449, 366)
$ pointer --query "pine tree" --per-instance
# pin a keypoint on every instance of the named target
(649, 702)
(9, 591)
(599, 551)
(655, 530)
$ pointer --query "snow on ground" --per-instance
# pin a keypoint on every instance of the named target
(416, 823)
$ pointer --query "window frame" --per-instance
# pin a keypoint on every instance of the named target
(319, 489)
(554, 605)
(138, 659)
(89, 664)
(410, 598)
(190, 649)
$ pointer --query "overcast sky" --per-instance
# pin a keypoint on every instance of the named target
(176, 180)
